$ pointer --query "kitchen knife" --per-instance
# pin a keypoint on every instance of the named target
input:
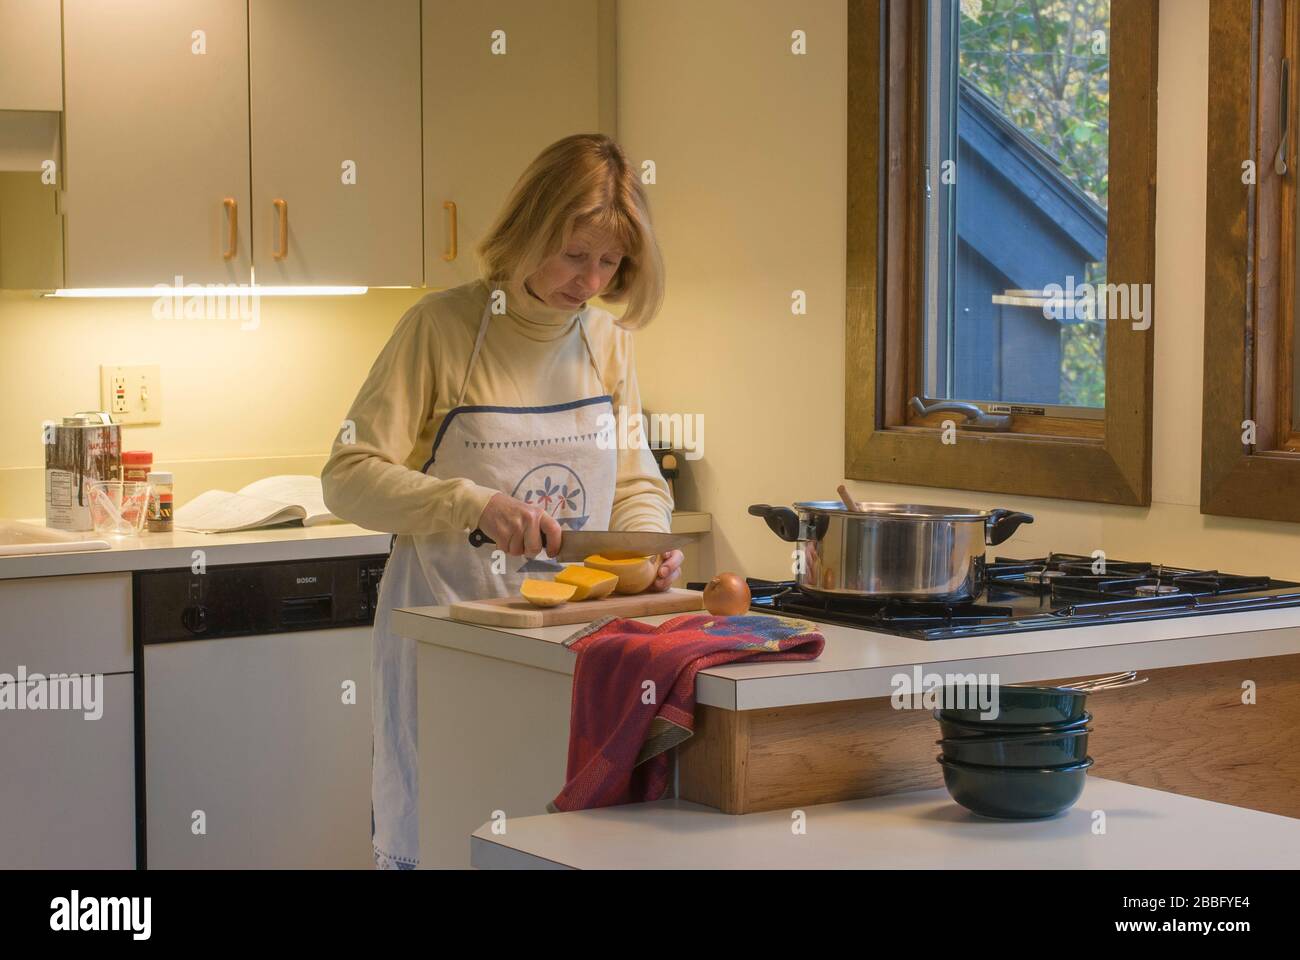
(580, 544)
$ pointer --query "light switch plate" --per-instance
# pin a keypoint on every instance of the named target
(132, 394)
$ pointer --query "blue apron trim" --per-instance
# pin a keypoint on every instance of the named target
(551, 408)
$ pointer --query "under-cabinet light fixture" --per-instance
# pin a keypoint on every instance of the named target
(202, 291)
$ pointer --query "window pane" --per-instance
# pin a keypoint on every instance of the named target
(1017, 146)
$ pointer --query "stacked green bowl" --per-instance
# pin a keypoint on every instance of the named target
(1026, 760)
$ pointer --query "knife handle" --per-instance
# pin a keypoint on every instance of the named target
(478, 538)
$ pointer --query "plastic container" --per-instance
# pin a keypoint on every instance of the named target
(160, 503)
(137, 465)
(117, 508)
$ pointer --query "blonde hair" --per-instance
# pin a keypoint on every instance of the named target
(581, 181)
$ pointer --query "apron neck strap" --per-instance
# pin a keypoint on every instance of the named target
(478, 345)
(591, 354)
(482, 334)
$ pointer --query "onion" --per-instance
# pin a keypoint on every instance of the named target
(726, 595)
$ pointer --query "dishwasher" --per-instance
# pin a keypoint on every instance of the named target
(253, 715)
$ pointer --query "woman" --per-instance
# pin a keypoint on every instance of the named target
(492, 406)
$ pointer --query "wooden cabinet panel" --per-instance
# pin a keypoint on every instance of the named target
(156, 139)
(486, 115)
(336, 82)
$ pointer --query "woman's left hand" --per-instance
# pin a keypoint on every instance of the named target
(669, 564)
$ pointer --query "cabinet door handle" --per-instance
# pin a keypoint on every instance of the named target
(232, 221)
(282, 248)
(450, 253)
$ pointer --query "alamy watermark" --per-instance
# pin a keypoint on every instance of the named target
(1098, 301)
(75, 913)
(624, 432)
(213, 301)
(55, 691)
(945, 691)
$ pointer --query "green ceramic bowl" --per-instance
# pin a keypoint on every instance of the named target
(1017, 706)
(1050, 749)
(1014, 793)
(956, 729)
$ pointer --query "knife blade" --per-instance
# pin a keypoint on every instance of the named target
(580, 544)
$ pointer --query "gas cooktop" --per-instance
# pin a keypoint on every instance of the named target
(1059, 590)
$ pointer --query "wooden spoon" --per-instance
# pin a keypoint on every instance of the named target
(846, 498)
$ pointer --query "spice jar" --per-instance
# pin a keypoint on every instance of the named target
(136, 465)
(160, 502)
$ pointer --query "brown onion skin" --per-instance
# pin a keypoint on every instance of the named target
(727, 595)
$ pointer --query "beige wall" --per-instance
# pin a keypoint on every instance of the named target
(749, 144)
(237, 404)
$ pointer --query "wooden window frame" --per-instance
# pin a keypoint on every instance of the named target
(1250, 271)
(1106, 460)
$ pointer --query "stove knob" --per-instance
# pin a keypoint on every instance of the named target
(195, 618)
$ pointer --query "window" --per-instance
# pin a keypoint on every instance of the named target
(1001, 235)
(1250, 460)
(1017, 130)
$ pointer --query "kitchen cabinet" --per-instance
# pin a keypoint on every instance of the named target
(31, 226)
(156, 142)
(209, 139)
(335, 120)
(67, 776)
(31, 65)
(488, 114)
(31, 97)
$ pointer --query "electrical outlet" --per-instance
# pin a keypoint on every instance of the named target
(117, 394)
(131, 394)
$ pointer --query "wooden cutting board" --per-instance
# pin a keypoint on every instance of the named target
(518, 612)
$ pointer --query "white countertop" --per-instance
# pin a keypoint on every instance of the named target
(1144, 829)
(859, 664)
(155, 551)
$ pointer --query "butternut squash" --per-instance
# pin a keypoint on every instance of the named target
(592, 584)
(635, 573)
(546, 593)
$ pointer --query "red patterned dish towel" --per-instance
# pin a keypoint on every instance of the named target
(634, 695)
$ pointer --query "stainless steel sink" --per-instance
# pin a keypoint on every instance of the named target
(22, 539)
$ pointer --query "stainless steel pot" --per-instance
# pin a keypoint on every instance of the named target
(890, 550)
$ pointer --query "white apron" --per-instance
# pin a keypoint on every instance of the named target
(548, 455)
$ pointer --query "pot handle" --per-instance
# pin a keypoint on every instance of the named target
(783, 521)
(1001, 524)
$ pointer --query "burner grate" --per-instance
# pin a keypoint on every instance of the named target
(1055, 591)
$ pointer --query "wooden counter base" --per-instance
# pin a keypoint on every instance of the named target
(1185, 731)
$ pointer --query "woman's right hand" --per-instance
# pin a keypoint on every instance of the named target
(518, 527)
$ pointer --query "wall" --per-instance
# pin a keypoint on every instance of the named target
(749, 143)
(238, 405)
